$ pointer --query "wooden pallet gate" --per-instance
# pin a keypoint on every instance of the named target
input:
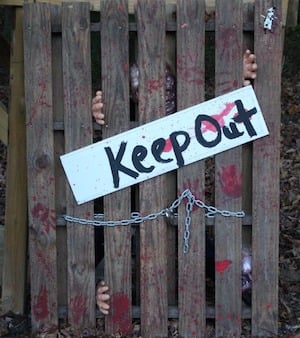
(58, 94)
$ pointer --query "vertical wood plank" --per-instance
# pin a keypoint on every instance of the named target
(59, 149)
(190, 91)
(15, 231)
(40, 162)
(228, 175)
(268, 50)
(78, 133)
(117, 206)
(153, 233)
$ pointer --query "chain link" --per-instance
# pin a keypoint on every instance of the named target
(169, 213)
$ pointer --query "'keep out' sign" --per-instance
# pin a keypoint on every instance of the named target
(163, 145)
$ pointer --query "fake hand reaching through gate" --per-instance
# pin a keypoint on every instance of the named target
(102, 297)
(97, 105)
(249, 74)
(249, 67)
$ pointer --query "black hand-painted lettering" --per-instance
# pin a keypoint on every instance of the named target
(139, 153)
(157, 149)
(198, 131)
(178, 149)
(232, 132)
(116, 166)
(244, 117)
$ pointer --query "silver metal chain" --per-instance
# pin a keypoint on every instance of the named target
(169, 213)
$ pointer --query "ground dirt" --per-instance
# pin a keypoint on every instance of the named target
(289, 260)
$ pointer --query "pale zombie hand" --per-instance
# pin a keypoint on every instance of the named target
(102, 297)
(249, 67)
(97, 105)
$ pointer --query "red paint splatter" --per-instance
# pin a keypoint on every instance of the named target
(235, 84)
(153, 85)
(231, 181)
(120, 312)
(42, 99)
(125, 66)
(89, 214)
(44, 215)
(188, 71)
(40, 304)
(40, 212)
(206, 126)
(229, 43)
(89, 130)
(228, 86)
(168, 146)
(145, 257)
(44, 261)
(78, 307)
(222, 266)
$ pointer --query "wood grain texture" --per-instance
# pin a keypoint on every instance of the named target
(190, 91)
(59, 149)
(228, 175)
(117, 206)
(268, 50)
(40, 165)
(153, 234)
(78, 133)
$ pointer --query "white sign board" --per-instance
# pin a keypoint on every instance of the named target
(163, 145)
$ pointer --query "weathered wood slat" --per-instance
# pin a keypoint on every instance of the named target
(190, 91)
(78, 133)
(153, 234)
(59, 147)
(115, 85)
(266, 155)
(40, 164)
(228, 174)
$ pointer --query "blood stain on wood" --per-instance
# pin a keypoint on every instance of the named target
(120, 304)
(40, 304)
(222, 266)
(231, 181)
(78, 306)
